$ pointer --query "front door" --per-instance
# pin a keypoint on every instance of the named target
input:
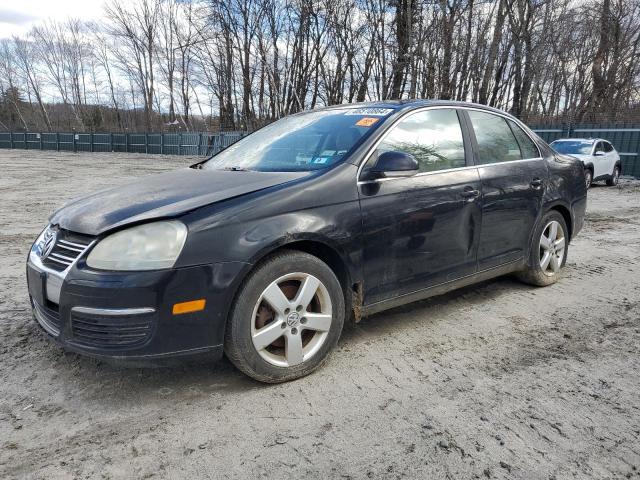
(604, 159)
(513, 177)
(421, 230)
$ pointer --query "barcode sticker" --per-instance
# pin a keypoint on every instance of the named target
(376, 112)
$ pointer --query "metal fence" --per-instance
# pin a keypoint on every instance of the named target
(626, 140)
(160, 143)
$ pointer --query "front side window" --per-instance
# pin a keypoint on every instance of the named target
(433, 137)
(599, 148)
(496, 142)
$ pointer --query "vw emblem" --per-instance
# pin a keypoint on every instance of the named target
(49, 241)
(293, 318)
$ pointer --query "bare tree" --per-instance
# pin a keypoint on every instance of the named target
(238, 64)
(28, 68)
(135, 25)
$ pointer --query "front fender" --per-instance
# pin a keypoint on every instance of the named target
(325, 210)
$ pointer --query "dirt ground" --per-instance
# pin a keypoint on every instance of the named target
(499, 380)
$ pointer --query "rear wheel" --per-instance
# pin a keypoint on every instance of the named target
(588, 177)
(286, 319)
(615, 176)
(549, 251)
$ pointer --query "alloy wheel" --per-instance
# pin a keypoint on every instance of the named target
(291, 319)
(616, 175)
(552, 246)
(588, 177)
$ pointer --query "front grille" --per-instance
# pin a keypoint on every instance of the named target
(68, 247)
(48, 318)
(108, 331)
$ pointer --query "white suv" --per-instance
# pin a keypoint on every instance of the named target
(601, 160)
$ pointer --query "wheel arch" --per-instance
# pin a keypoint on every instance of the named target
(566, 214)
(333, 256)
(552, 207)
(328, 254)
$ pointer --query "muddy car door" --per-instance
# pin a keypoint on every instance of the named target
(513, 177)
(423, 229)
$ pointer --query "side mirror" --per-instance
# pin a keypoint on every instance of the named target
(599, 153)
(394, 164)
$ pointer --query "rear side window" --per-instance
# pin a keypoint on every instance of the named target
(607, 147)
(527, 147)
(496, 142)
(433, 137)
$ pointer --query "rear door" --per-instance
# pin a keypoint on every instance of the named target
(421, 230)
(513, 176)
(611, 156)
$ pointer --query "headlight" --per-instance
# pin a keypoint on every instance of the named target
(151, 246)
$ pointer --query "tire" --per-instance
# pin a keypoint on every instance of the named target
(270, 340)
(615, 176)
(543, 270)
(588, 177)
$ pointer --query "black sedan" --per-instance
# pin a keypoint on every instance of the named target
(265, 250)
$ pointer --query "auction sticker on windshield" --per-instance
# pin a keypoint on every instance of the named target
(366, 121)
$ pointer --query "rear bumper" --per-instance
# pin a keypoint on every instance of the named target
(578, 211)
(127, 317)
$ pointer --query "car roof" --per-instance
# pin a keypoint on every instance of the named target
(412, 104)
(590, 140)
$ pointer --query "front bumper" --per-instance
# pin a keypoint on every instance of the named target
(126, 317)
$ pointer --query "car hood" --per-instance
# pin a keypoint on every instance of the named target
(579, 156)
(160, 196)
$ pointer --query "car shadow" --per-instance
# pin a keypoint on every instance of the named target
(200, 379)
(405, 316)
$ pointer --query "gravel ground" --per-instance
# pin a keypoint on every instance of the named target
(499, 380)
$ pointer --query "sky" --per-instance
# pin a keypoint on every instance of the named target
(17, 17)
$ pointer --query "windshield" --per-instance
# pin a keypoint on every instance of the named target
(303, 142)
(573, 147)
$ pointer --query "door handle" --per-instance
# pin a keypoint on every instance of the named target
(536, 183)
(470, 193)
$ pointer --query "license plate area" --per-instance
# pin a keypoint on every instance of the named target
(37, 282)
(43, 285)
(45, 311)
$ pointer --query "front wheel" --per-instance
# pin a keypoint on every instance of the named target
(588, 178)
(615, 177)
(287, 317)
(549, 251)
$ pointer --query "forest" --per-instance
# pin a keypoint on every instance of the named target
(213, 65)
